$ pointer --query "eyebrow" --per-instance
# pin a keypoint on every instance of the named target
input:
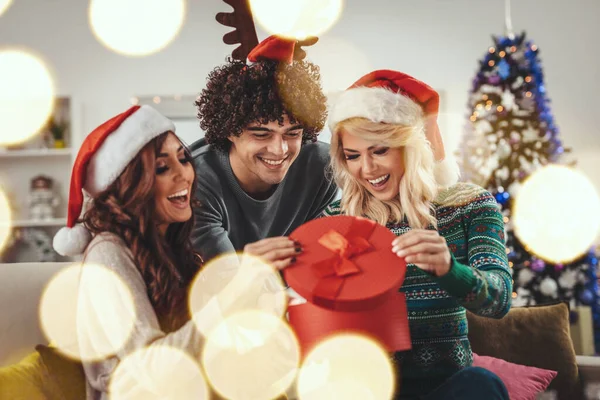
(166, 155)
(356, 151)
(263, 129)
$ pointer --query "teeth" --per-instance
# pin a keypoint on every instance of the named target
(380, 179)
(183, 192)
(272, 162)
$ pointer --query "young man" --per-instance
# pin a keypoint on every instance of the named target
(261, 172)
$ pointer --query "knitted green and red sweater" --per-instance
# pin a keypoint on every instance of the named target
(479, 280)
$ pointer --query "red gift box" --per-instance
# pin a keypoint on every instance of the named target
(350, 278)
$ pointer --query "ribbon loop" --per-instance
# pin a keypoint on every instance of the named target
(333, 271)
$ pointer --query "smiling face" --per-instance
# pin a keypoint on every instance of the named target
(173, 184)
(263, 153)
(375, 166)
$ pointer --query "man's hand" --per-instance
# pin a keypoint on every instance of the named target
(424, 248)
(279, 252)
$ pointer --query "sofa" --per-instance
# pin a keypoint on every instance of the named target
(533, 336)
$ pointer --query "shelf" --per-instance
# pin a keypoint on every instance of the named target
(28, 223)
(35, 153)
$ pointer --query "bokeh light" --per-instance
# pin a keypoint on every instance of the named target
(5, 220)
(299, 18)
(233, 283)
(251, 355)
(26, 96)
(346, 367)
(555, 214)
(136, 27)
(330, 54)
(4, 4)
(87, 311)
(158, 373)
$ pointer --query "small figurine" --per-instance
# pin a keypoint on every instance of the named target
(42, 199)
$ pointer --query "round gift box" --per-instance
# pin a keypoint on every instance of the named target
(381, 271)
(364, 299)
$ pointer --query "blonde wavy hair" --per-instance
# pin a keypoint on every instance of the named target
(418, 187)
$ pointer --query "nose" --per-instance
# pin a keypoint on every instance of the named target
(277, 146)
(180, 172)
(367, 165)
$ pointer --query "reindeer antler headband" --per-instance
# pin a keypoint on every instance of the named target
(244, 31)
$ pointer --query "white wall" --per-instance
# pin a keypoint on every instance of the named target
(438, 41)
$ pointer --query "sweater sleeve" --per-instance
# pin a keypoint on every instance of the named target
(102, 313)
(209, 236)
(331, 210)
(484, 286)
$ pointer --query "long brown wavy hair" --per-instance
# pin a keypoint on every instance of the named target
(167, 263)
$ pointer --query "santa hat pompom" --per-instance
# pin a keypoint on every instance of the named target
(447, 171)
(71, 241)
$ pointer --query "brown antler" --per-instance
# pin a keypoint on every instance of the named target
(245, 31)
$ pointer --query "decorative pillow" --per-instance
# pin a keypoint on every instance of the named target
(521, 381)
(64, 379)
(535, 336)
(23, 381)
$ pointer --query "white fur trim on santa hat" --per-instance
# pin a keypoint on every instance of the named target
(71, 241)
(377, 104)
(122, 145)
(446, 172)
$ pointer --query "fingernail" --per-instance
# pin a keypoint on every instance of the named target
(297, 243)
(409, 259)
(293, 260)
(401, 253)
(395, 249)
(298, 249)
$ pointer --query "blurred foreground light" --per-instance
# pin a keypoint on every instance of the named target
(136, 27)
(87, 311)
(233, 283)
(158, 373)
(296, 19)
(26, 96)
(556, 214)
(346, 367)
(251, 355)
(5, 220)
(4, 4)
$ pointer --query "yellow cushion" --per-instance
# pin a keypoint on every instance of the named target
(64, 379)
(23, 381)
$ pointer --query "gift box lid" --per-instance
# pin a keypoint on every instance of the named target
(346, 263)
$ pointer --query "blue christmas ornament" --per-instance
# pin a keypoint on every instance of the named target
(586, 297)
(502, 197)
(504, 69)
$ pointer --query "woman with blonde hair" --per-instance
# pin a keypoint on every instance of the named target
(388, 158)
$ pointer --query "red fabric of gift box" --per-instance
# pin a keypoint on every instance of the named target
(350, 279)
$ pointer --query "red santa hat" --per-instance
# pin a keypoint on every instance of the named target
(273, 48)
(396, 98)
(103, 156)
(280, 49)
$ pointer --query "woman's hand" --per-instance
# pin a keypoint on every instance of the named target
(279, 252)
(424, 248)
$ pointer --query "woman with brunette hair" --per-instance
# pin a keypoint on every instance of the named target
(137, 225)
(388, 158)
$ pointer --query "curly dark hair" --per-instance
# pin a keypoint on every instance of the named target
(237, 95)
(167, 263)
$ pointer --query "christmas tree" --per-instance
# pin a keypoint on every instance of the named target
(511, 133)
